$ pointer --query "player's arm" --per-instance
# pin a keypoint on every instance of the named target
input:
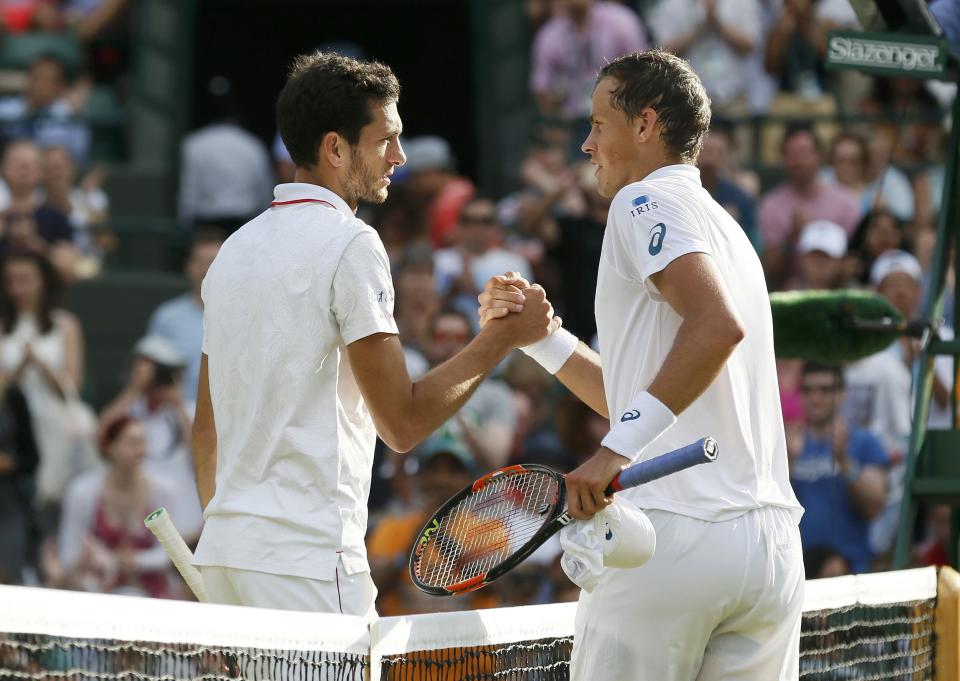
(204, 438)
(580, 372)
(405, 412)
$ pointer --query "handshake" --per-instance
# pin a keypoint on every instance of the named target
(517, 313)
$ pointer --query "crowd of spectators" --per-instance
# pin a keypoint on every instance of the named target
(835, 177)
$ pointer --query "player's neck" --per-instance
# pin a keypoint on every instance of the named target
(326, 180)
(650, 163)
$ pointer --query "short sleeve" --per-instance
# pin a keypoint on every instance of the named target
(363, 290)
(650, 230)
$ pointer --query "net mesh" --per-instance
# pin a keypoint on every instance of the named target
(483, 529)
(872, 627)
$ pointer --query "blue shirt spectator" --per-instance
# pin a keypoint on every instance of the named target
(180, 320)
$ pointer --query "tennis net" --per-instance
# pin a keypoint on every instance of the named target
(875, 627)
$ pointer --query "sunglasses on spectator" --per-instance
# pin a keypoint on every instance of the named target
(822, 389)
(478, 220)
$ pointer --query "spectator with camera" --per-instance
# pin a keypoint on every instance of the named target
(154, 395)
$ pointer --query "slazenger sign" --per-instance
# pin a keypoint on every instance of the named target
(886, 53)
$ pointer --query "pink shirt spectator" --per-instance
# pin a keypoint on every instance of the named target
(566, 58)
(828, 202)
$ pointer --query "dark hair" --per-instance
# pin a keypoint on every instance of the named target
(325, 93)
(113, 429)
(667, 84)
(858, 242)
(815, 559)
(206, 236)
(52, 289)
(812, 367)
(799, 128)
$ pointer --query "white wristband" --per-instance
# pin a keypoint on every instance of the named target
(647, 419)
(553, 351)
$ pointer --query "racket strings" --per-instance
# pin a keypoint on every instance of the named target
(485, 528)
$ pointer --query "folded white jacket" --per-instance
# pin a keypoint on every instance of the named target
(619, 536)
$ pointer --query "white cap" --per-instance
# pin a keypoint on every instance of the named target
(160, 350)
(823, 235)
(895, 261)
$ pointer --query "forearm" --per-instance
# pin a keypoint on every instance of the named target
(868, 492)
(583, 376)
(741, 43)
(776, 44)
(701, 348)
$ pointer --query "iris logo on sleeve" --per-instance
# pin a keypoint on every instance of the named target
(657, 234)
(643, 204)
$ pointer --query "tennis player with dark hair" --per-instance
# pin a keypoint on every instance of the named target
(686, 350)
(301, 365)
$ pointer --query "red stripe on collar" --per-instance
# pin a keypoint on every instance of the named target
(290, 203)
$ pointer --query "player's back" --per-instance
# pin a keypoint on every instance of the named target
(294, 440)
(653, 222)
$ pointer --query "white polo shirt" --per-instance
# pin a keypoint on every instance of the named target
(651, 223)
(285, 295)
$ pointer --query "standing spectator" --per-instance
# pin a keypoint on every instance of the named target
(435, 184)
(84, 203)
(462, 271)
(41, 352)
(226, 177)
(718, 38)
(714, 163)
(44, 112)
(103, 544)
(181, 320)
(804, 197)
(26, 223)
(154, 396)
(837, 471)
(486, 422)
(822, 247)
(18, 465)
(570, 48)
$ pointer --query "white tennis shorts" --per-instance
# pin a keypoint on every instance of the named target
(717, 602)
(346, 594)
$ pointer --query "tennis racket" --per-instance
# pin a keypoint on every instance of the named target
(163, 529)
(490, 527)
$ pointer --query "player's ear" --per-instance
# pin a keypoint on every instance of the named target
(333, 149)
(644, 124)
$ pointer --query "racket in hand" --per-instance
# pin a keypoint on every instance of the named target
(491, 526)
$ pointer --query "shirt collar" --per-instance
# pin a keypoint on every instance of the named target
(297, 191)
(678, 170)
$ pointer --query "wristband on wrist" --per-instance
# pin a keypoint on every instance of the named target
(646, 420)
(553, 351)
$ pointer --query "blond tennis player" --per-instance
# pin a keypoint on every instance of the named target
(301, 364)
(686, 350)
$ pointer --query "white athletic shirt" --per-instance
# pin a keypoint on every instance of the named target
(651, 223)
(285, 295)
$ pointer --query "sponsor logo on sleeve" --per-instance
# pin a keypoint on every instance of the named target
(631, 415)
(657, 234)
(643, 204)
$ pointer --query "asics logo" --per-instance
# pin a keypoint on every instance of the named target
(631, 415)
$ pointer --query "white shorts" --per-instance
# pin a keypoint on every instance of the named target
(346, 594)
(717, 602)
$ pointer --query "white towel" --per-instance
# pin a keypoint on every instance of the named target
(619, 536)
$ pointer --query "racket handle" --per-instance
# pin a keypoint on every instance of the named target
(162, 527)
(701, 451)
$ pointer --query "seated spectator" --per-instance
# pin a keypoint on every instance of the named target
(25, 223)
(718, 38)
(18, 467)
(41, 352)
(796, 48)
(154, 396)
(283, 166)
(19, 16)
(822, 247)
(400, 223)
(893, 185)
(103, 543)
(431, 175)
(572, 46)
(715, 166)
(486, 422)
(180, 320)
(462, 271)
(44, 112)
(804, 197)
(821, 562)
(416, 305)
(84, 203)
(838, 472)
(879, 231)
(445, 467)
(226, 177)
